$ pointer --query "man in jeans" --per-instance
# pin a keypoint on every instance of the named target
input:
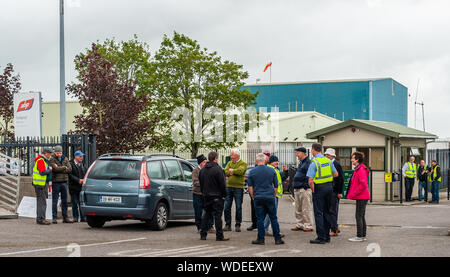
(435, 181)
(197, 196)
(60, 176)
(422, 175)
(212, 186)
(303, 193)
(235, 172)
(262, 187)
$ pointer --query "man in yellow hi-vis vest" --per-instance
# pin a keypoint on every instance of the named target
(273, 163)
(41, 177)
(409, 171)
(435, 181)
(320, 173)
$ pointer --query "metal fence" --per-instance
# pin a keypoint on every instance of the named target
(442, 156)
(285, 156)
(26, 149)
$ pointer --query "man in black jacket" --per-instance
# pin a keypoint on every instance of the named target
(75, 183)
(213, 188)
(338, 183)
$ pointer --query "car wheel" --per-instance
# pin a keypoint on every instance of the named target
(95, 221)
(160, 218)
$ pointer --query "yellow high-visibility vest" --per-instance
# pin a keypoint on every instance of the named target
(435, 174)
(38, 179)
(324, 174)
(410, 171)
(280, 182)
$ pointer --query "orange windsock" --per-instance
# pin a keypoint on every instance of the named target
(267, 66)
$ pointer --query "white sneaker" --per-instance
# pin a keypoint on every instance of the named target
(356, 239)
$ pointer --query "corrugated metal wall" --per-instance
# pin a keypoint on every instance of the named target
(342, 100)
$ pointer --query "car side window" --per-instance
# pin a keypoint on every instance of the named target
(173, 171)
(154, 170)
(187, 170)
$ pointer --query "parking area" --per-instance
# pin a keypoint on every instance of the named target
(405, 231)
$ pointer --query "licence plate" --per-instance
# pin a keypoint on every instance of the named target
(110, 199)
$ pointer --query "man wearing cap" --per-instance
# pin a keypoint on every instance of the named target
(42, 175)
(338, 183)
(303, 193)
(321, 172)
(197, 196)
(76, 179)
(61, 169)
(273, 163)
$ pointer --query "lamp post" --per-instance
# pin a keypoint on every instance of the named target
(62, 81)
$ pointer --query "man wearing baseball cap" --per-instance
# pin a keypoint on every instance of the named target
(76, 179)
(338, 183)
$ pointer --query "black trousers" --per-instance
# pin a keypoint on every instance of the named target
(334, 211)
(360, 216)
(213, 208)
(409, 185)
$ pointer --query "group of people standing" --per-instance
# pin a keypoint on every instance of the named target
(425, 175)
(66, 177)
(318, 188)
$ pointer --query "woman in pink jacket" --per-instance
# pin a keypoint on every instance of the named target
(359, 191)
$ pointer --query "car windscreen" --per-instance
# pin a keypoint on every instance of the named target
(116, 170)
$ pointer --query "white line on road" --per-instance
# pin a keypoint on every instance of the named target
(264, 254)
(203, 251)
(230, 252)
(173, 251)
(422, 227)
(65, 247)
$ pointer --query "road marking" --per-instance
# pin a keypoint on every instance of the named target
(230, 252)
(172, 251)
(264, 254)
(123, 253)
(65, 247)
(422, 227)
(214, 249)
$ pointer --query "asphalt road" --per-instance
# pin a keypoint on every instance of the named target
(404, 231)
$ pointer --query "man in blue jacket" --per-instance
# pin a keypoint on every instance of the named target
(303, 194)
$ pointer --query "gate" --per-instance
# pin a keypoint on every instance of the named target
(9, 186)
(26, 149)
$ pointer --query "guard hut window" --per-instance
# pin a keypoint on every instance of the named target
(344, 156)
(373, 157)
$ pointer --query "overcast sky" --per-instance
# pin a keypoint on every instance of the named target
(305, 40)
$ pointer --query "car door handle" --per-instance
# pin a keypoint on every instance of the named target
(171, 187)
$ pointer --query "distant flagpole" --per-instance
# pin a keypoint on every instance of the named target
(269, 66)
(270, 75)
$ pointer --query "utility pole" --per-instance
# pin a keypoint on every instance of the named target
(62, 81)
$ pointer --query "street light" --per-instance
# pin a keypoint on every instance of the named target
(62, 81)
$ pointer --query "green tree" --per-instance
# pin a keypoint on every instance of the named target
(182, 74)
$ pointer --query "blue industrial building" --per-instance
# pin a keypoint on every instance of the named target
(380, 99)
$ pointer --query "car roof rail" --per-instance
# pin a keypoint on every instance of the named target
(115, 154)
(163, 155)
